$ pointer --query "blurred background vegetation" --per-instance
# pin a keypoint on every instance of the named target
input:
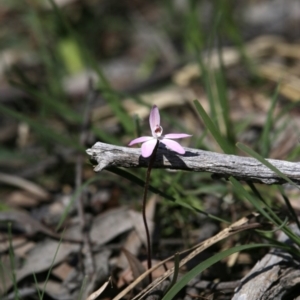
(73, 72)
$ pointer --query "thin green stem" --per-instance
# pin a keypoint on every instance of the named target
(149, 254)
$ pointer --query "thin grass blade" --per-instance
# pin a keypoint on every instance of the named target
(213, 129)
(265, 141)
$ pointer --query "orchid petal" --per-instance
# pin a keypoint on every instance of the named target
(154, 118)
(176, 135)
(148, 147)
(173, 146)
(141, 139)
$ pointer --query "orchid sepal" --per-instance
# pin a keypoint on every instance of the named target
(173, 146)
(141, 139)
(176, 135)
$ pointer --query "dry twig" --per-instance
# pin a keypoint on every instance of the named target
(243, 224)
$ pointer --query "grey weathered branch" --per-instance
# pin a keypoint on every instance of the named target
(221, 165)
(275, 276)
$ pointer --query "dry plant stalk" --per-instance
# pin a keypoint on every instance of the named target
(243, 224)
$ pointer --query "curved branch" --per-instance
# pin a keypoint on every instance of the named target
(221, 165)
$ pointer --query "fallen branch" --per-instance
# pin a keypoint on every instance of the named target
(275, 276)
(221, 165)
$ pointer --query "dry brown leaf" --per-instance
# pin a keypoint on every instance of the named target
(55, 289)
(165, 98)
(288, 50)
(109, 225)
(5, 273)
(97, 293)
(62, 271)
(25, 184)
(230, 56)
(26, 223)
(232, 259)
(136, 237)
(136, 267)
(15, 241)
(22, 250)
(41, 257)
(244, 259)
(101, 260)
(289, 84)
(127, 276)
(22, 199)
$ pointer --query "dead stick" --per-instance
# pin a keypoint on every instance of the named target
(221, 165)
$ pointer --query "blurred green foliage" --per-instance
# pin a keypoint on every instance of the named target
(66, 41)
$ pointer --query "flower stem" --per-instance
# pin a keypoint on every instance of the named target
(149, 255)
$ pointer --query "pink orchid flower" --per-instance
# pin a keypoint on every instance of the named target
(149, 142)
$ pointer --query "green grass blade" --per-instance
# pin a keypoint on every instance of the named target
(223, 98)
(116, 171)
(43, 131)
(213, 130)
(51, 266)
(208, 88)
(176, 270)
(198, 41)
(285, 222)
(12, 264)
(265, 211)
(7, 155)
(211, 189)
(137, 123)
(39, 292)
(240, 190)
(183, 203)
(170, 295)
(290, 248)
(265, 141)
(111, 97)
(289, 206)
(60, 108)
(277, 221)
(138, 181)
(3, 285)
(232, 31)
(83, 287)
(72, 201)
(105, 136)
